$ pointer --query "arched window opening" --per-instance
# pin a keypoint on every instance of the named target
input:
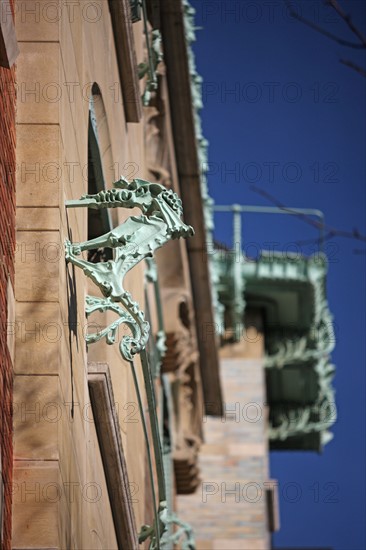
(99, 221)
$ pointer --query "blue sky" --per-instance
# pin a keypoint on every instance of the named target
(282, 113)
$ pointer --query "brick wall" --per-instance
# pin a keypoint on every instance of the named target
(228, 511)
(7, 240)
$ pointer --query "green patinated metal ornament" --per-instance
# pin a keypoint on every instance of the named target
(131, 242)
(159, 347)
(182, 534)
(154, 56)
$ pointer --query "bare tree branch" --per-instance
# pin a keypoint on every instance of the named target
(276, 202)
(319, 240)
(353, 66)
(320, 30)
(330, 232)
(347, 19)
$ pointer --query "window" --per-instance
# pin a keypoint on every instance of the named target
(99, 221)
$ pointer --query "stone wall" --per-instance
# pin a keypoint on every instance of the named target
(60, 497)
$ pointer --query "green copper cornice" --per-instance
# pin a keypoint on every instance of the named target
(299, 337)
(202, 152)
(290, 427)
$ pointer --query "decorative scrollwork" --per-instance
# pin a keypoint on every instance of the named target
(166, 540)
(134, 319)
(131, 242)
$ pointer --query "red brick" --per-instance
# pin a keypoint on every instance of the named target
(7, 245)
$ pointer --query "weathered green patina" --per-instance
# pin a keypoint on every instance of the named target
(158, 346)
(173, 530)
(153, 51)
(202, 150)
(290, 291)
(133, 241)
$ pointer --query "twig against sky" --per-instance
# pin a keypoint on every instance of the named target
(353, 66)
(329, 231)
(361, 45)
(320, 29)
(348, 20)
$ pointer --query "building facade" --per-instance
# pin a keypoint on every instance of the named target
(107, 413)
(115, 300)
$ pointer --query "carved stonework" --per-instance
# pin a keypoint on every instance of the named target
(181, 362)
(186, 467)
(157, 147)
(149, 67)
